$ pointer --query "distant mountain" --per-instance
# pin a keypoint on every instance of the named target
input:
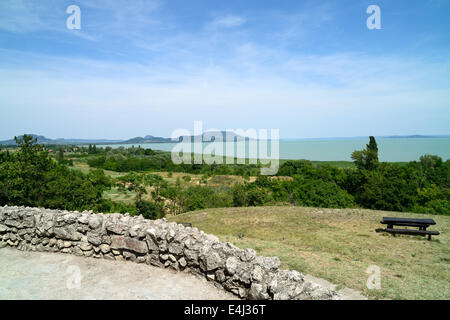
(40, 139)
(206, 136)
(147, 139)
(417, 136)
(45, 140)
(210, 136)
(84, 141)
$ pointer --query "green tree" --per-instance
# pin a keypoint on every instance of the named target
(32, 178)
(150, 210)
(60, 156)
(367, 159)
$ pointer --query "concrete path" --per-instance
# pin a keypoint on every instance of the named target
(42, 275)
(347, 293)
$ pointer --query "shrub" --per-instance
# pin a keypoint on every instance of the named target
(314, 193)
(150, 210)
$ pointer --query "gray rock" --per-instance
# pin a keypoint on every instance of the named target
(248, 255)
(257, 274)
(164, 257)
(175, 248)
(258, 292)
(121, 242)
(67, 233)
(3, 228)
(85, 246)
(182, 262)
(268, 263)
(231, 265)
(109, 256)
(210, 260)
(220, 275)
(137, 231)
(141, 259)
(104, 248)
(152, 245)
(95, 221)
(94, 238)
(12, 223)
(77, 251)
(119, 226)
(129, 256)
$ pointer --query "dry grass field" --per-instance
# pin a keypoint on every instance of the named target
(339, 245)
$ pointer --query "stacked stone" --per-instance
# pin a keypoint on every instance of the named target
(158, 243)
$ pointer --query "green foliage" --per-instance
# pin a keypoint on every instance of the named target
(138, 159)
(111, 206)
(316, 193)
(31, 178)
(367, 159)
(202, 197)
(437, 206)
(239, 195)
(293, 167)
(387, 188)
(150, 210)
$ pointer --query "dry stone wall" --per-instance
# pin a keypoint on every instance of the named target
(159, 243)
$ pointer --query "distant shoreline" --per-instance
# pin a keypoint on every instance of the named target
(154, 140)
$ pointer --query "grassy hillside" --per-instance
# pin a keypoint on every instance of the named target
(339, 245)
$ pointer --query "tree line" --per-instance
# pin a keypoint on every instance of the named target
(31, 176)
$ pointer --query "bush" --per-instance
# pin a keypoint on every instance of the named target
(314, 193)
(202, 197)
(435, 207)
(240, 195)
(387, 188)
(150, 210)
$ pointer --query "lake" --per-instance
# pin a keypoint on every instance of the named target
(390, 149)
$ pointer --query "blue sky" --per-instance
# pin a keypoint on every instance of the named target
(307, 68)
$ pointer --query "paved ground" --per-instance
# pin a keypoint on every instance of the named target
(41, 275)
(348, 293)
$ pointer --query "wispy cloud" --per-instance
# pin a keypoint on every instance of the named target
(227, 21)
(255, 68)
(21, 16)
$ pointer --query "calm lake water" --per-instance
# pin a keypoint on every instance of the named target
(390, 149)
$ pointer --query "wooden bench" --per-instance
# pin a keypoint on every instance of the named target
(422, 224)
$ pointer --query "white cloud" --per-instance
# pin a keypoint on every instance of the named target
(220, 73)
(125, 99)
(227, 21)
(20, 16)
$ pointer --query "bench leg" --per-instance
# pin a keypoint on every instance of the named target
(429, 237)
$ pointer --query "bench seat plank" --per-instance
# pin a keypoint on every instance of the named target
(405, 221)
(410, 231)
